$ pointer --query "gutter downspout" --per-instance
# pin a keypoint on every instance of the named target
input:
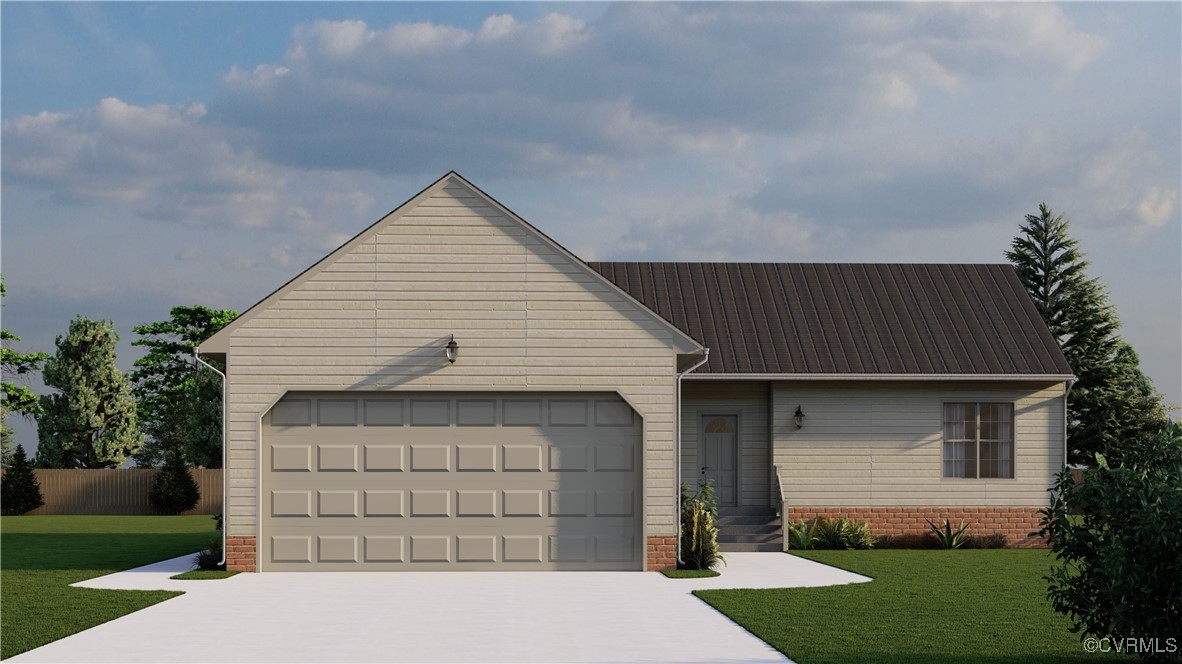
(1066, 392)
(677, 453)
(225, 480)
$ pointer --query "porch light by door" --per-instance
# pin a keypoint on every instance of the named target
(452, 350)
(798, 417)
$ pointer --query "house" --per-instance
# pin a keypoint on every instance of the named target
(453, 390)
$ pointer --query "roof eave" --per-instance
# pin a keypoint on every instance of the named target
(1040, 378)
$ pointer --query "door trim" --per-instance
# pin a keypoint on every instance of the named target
(738, 415)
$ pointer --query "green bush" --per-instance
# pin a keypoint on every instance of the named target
(842, 534)
(699, 532)
(209, 558)
(990, 541)
(19, 491)
(802, 536)
(174, 490)
(947, 536)
(1120, 560)
(907, 541)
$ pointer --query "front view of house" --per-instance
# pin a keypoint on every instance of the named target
(453, 390)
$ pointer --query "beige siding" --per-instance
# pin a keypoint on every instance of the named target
(880, 444)
(525, 316)
(748, 400)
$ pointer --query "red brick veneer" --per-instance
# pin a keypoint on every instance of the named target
(662, 552)
(1016, 523)
(241, 553)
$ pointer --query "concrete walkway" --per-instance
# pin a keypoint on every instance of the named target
(435, 616)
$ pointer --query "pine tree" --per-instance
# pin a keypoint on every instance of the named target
(91, 421)
(174, 490)
(18, 399)
(1077, 311)
(19, 491)
(1124, 408)
(179, 404)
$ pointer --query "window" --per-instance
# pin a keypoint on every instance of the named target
(979, 440)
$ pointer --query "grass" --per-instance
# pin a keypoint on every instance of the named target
(203, 575)
(923, 606)
(42, 555)
(689, 573)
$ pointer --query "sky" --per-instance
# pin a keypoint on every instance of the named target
(158, 154)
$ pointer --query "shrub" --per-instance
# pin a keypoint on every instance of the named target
(801, 536)
(699, 532)
(208, 559)
(908, 541)
(842, 534)
(174, 490)
(990, 541)
(1120, 560)
(218, 519)
(946, 536)
(19, 491)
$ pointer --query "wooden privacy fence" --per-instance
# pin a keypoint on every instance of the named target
(117, 491)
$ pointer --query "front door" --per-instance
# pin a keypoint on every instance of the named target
(719, 456)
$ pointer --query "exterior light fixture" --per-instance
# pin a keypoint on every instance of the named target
(452, 350)
(798, 417)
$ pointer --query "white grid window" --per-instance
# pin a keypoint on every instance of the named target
(979, 440)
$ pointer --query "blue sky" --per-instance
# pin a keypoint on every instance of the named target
(159, 154)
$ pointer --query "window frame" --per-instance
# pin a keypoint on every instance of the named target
(976, 440)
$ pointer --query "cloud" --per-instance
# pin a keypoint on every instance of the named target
(163, 162)
(558, 95)
(1157, 206)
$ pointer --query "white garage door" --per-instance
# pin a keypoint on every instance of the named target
(451, 482)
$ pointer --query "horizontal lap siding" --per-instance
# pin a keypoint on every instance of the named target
(749, 400)
(882, 444)
(524, 316)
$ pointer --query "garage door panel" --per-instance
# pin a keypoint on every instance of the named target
(336, 549)
(337, 503)
(430, 458)
(297, 458)
(452, 482)
(385, 503)
(384, 458)
(337, 458)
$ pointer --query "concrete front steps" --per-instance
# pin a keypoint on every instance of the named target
(749, 529)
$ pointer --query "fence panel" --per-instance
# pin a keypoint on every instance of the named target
(117, 491)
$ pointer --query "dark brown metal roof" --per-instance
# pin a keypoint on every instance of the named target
(853, 318)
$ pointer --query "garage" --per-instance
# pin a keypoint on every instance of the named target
(452, 481)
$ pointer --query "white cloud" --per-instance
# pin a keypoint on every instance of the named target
(1157, 206)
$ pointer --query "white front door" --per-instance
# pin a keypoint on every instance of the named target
(719, 456)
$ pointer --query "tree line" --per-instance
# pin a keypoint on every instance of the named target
(167, 410)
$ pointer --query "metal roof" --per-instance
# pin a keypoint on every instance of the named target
(861, 319)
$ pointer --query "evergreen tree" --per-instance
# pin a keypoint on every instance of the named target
(17, 399)
(174, 490)
(19, 491)
(180, 404)
(1111, 398)
(91, 421)
(1123, 408)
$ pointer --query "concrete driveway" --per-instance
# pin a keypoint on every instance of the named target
(435, 617)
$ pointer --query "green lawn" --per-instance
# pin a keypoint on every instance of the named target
(923, 606)
(41, 555)
(689, 573)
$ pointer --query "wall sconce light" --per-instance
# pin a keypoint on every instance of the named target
(798, 417)
(452, 350)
